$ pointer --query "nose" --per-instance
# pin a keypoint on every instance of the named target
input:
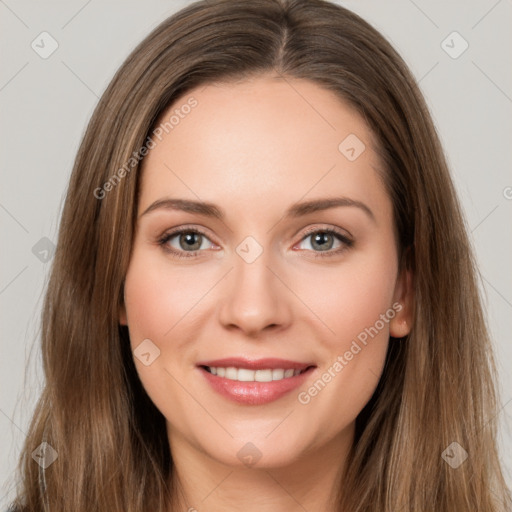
(254, 299)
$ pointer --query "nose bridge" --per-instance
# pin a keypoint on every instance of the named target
(255, 298)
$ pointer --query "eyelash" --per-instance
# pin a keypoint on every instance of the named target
(348, 243)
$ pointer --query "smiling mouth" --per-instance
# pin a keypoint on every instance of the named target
(248, 375)
(251, 382)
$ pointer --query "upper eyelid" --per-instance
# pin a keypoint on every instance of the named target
(336, 230)
(184, 229)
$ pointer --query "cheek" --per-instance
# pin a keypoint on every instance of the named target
(352, 296)
(158, 298)
(355, 301)
(159, 295)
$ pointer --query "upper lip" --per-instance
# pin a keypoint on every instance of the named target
(256, 364)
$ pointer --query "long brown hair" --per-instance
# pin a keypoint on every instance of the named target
(439, 383)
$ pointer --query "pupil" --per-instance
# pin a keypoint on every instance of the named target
(320, 240)
(188, 240)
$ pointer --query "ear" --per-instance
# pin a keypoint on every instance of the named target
(400, 325)
(122, 312)
(122, 315)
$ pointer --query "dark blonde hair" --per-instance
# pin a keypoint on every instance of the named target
(439, 383)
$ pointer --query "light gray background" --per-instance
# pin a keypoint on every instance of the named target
(46, 103)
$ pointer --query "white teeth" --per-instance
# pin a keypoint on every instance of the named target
(231, 373)
(263, 376)
(277, 374)
(245, 375)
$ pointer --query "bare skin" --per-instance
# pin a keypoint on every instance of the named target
(254, 149)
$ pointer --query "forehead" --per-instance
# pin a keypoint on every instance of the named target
(273, 138)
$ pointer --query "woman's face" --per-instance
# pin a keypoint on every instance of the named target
(277, 281)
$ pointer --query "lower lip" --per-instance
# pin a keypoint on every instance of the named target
(254, 393)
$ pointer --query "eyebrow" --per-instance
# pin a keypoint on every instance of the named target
(296, 210)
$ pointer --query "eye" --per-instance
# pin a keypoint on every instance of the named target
(185, 240)
(188, 242)
(324, 240)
